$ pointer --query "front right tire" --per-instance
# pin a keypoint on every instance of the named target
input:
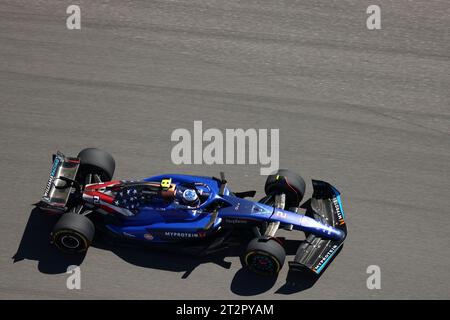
(264, 256)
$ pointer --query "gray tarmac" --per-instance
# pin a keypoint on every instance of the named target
(368, 111)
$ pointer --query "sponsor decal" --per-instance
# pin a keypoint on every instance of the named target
(337, 207)
(325, 258)
(148, 236)
(236, 221)
(52, 176)
(175, 234)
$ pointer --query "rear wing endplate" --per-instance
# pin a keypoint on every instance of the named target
(60, 183)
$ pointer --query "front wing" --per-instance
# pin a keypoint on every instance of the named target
(316, 253)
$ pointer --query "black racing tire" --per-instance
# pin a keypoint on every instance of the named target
(264, 256)
(73, 233)
(96, 161)
(287, 182)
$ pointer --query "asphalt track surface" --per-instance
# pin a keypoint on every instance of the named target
(368, 111)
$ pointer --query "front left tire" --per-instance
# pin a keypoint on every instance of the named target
(287, 182)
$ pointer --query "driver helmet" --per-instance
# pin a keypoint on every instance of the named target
(190, 197)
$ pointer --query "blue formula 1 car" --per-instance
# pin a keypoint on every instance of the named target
(174, 209)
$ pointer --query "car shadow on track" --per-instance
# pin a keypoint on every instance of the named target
(35, 246)
(162, 259)
(246, 283)
(297, 281)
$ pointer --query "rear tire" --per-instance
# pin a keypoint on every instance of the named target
(73, 233)
(96, 161)
(264, 256)
(289, 183)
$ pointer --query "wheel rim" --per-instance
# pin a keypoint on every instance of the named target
(70, 242)
(262, 263)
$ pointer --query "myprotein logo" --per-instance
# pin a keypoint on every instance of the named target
(324, 259)
(171, 234)
(229, 147)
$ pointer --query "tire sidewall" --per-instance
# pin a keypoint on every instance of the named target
(260, 249)
(58, 236)
(287, 182)
(75, 226)
(259, 253)
(96, 161)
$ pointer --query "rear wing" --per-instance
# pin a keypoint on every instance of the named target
(60, 183)
(315, 253)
